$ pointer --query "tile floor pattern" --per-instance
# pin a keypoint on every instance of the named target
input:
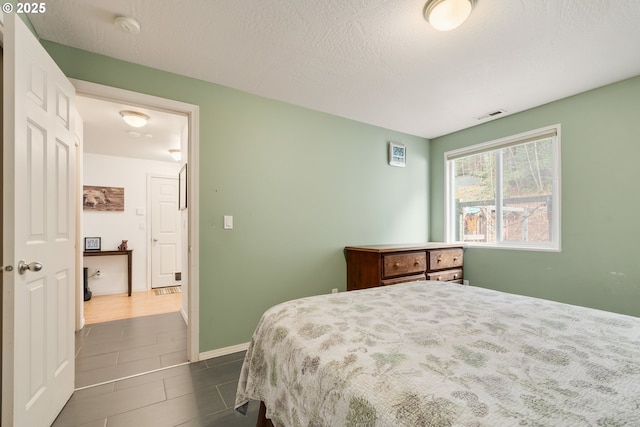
(192, 395)
(121, 348)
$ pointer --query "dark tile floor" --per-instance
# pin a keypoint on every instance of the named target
(111, 359)
(192, 395)
(121, 348)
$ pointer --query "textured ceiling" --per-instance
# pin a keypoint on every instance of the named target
(375, 61)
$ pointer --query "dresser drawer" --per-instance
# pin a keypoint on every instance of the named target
(403, 279)
(445, 258)
(446, 275)
(403, 264)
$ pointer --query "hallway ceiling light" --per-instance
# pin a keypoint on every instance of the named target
(135, 119)
(175, 153)
(445, 15)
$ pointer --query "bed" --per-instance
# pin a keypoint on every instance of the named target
(437, 354)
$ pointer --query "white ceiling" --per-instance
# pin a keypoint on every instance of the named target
(106, 133)
(375, 61)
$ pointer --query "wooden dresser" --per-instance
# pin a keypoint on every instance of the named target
(381, 265)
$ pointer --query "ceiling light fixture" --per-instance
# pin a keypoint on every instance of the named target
(127, 24)
(445, 15)
(135, 119)
(175, 153)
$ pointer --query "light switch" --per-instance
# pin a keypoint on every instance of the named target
(228, 222)
(140, 211)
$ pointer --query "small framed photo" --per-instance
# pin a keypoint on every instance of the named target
(92, 243)
(397, 154)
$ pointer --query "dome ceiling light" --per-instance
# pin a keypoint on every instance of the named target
(445, 15)
(135, 119)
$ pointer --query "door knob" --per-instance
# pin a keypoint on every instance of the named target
(32, 266)
(155, 239)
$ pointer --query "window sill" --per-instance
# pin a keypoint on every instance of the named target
(514, 247)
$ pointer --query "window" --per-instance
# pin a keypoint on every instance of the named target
(506, 193)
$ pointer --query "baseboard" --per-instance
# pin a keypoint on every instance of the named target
(223, 351)
(184, 316)
(112, 292)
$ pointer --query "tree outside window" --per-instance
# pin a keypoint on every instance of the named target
(505, 193)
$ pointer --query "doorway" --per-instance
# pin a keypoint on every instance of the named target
(164, 214)
(184, 265)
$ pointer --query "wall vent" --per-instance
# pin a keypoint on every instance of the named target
(492, 114)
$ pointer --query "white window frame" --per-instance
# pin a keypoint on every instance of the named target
(554, 244)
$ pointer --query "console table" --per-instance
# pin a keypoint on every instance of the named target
(128, 253)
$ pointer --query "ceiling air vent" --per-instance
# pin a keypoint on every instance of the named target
(492, 115)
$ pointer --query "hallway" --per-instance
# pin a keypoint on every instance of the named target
(104, 308)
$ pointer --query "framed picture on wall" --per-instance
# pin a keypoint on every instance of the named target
(397, 154)
(92, 243)
(103, 199)
(182, 188)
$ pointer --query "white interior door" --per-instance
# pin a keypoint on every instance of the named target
(165, 232)
(39, 233)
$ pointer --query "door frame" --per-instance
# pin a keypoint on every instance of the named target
(192, 251)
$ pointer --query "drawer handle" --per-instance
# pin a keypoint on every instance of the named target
(416, 262)
(455, 276)
(396, 265)
(439, 278)
(439, 258)
(455, 258)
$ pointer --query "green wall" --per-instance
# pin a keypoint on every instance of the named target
(300, 184)
(23, 16)
(599, 265)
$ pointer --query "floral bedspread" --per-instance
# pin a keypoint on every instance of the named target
(435, 354)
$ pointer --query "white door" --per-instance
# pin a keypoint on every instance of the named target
(38, 231)
(165, 232)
